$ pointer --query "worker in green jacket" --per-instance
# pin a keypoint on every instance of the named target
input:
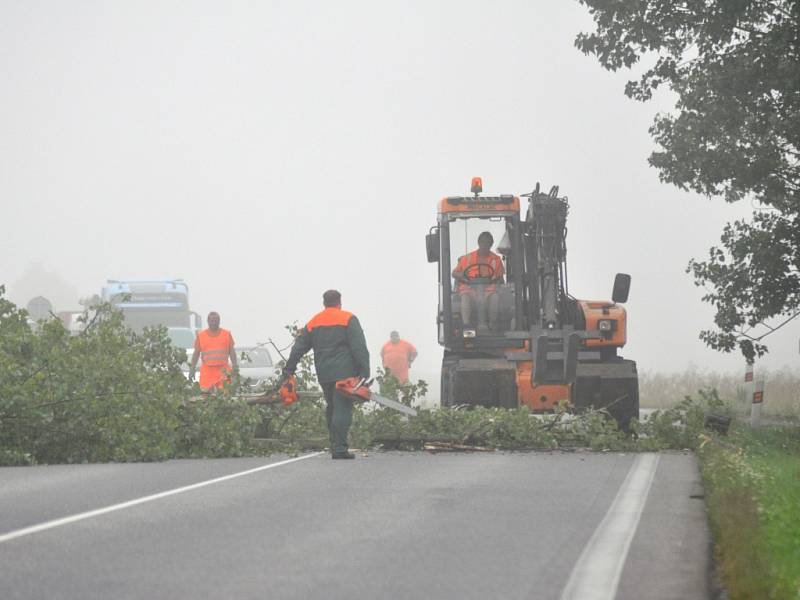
(340, 351)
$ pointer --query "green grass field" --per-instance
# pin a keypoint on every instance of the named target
(752, 481)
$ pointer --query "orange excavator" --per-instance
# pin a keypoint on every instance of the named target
(529, 342)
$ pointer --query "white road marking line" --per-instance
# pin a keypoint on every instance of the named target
(12, 535)
(597, 572)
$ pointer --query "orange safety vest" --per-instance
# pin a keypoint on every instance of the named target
(493, 260)
(215, 349)
(330, 317)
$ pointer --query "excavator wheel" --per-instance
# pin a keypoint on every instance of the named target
(447, 387)
(489, 382)
(613, 386)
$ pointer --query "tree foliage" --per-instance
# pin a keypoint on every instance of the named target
(734, 133)
(108, 394)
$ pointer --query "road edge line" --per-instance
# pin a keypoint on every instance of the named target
(597, 573)
(18, 533)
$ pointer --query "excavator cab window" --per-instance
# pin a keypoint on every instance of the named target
(464, 234)
(484, 284)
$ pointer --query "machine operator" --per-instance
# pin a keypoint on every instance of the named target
(477, 275)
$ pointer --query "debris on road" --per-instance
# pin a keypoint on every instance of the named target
(452, 447)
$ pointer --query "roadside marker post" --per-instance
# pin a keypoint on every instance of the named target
(749, 388)
(758, 402)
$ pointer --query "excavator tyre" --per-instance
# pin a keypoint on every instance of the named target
(479, 382)
(613, 386)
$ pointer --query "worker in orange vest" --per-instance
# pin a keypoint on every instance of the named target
(485, 265)
(215, 346)
(340, 352)
(397, 356)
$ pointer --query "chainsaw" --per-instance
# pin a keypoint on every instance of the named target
(286, 393)
(357, 389)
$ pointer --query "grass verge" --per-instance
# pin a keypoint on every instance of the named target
(752, 482)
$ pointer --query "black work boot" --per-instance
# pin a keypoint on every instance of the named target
(344, 454)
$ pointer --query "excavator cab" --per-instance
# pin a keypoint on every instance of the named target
(491, 285)
(522, 339)
(482, 285)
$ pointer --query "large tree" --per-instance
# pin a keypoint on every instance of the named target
(734, 66)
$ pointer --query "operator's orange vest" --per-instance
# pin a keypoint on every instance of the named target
(215, 349)
(468, 260)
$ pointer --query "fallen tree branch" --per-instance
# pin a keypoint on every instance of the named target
(414, 441)
(273, 397)
(304, 444)
(452, 447)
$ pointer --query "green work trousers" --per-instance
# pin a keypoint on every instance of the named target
(339, 414)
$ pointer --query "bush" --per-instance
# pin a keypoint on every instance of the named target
(679, 427)
(216, 426)
(408, 393)
(110, 394)
(107, 394)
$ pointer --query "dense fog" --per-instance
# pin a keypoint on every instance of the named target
(265, 152)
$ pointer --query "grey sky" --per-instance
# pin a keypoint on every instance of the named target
(267, 151)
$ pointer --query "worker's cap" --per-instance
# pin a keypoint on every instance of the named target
(486, 235)
(394, 334)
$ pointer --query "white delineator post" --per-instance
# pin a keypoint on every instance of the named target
(748, 383)
(758, 402)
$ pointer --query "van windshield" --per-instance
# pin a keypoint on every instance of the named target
(181, 337)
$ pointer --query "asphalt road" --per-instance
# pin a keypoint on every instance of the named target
(387, 525)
